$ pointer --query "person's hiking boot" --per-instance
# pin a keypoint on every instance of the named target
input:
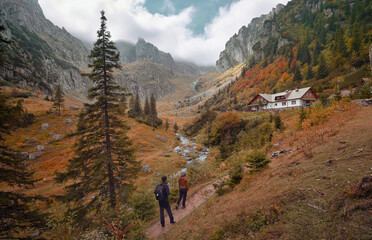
(174, 222)
(162, 225)
(183, 207)
(176, 206)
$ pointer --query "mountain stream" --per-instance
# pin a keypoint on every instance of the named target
(191, 152)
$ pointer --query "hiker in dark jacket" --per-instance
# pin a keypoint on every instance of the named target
(164, 203)
(183, 184)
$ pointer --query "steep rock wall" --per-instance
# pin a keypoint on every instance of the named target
(239, 47)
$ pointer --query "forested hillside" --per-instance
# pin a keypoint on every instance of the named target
(327, 48)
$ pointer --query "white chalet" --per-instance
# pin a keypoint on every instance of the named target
(297, 98)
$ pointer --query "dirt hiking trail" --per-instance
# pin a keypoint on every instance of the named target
(192, 203)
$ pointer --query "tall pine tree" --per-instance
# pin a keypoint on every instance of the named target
(153, 119)
(104, 165)
(58, 98)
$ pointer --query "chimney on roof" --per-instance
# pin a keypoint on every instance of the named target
(297, 90)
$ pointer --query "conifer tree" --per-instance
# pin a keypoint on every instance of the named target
(278, 122)
(356, 39)
(58, 99)
(302, 117)
(153, 120)
(297, 75)
(309, 72)
(166, 125)
(322, 68)
(15, 213)
(153, 111)
(137, 106)
(146, 108)
(303, 53)
(256, 160)
(316, 53)
(340, 44)
(135, 109)
(104, 165)
(175, 127)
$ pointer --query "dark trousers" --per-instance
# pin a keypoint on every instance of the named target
(183, 195)
(165, 205)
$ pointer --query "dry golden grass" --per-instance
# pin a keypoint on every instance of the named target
(151, 150)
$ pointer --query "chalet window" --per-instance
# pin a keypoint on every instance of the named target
(294, 102)
(310, 94)
(276, 104)
(283, 103)
(279, 97)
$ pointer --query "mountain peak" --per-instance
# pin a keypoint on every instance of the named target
(239, 47)
(29, 14)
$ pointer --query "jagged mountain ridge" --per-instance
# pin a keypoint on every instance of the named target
(144, 50)
(240, 46)
(43, 55)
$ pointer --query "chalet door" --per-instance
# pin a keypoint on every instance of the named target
(307, 103)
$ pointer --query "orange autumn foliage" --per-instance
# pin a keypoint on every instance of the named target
(259, 79)
(224, 125)
(228, 120)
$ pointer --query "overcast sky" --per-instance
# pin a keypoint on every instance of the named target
(191, 30)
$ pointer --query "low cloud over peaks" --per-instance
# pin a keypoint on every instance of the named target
(170, 32)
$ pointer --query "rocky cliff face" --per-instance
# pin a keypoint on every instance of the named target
(145, 50)
(240, 46)
(29, 14)
(146, 78)
(41, 54)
